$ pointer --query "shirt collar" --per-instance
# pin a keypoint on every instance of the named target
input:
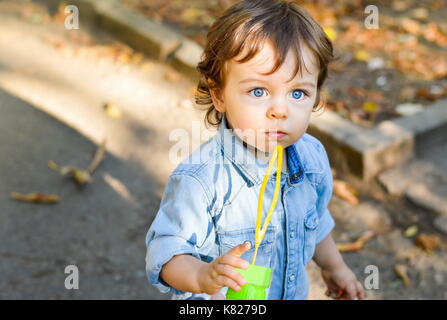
(234, 150)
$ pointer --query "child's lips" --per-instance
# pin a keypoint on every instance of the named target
(276, 134)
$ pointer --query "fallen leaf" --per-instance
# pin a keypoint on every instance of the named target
(345, 191)
(401, 271)
(428, 242)
(80, 176)
(35, 197)
(411, 231)
(432, 94)
(98, 157)
(370, 107)
(112, 110)
(358, 244)
(331, 33)
(362, 55)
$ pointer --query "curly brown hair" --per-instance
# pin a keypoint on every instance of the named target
(250, 23)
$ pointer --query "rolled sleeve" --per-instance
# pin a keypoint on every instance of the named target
(324, 190)
(181, 226)
(325, 227)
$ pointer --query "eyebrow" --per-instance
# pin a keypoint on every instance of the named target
(305, 83)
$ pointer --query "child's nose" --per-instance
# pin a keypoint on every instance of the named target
(278, 111)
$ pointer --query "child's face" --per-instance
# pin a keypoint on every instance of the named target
(269, 103)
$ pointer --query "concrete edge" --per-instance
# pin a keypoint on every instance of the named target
(365, 152)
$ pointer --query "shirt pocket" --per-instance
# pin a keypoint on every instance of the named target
(311, 221)
(230, 239)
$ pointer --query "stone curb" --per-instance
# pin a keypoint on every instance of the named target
(364, 152)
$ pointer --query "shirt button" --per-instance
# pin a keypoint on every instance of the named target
(292, 278)
(292, 234)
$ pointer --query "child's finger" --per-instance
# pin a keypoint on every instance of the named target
(351, 291)
(240, 249)
(233, 261)
(227, 282)
(229, 272)
(360, 291)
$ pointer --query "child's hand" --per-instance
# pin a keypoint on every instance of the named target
(342, 284)
(221, 271)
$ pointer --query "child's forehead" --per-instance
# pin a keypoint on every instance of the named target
(264, 61)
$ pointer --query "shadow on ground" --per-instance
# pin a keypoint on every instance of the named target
(100, 229)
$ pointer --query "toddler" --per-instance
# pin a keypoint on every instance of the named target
(262, 70)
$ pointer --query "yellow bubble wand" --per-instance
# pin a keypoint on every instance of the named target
(260, 233)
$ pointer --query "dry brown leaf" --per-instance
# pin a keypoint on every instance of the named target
(345, 191)
(430, 95)
(98, 158)
(80, 176)
(35, 197)
(428, 242)
(358, 244)
(401, 271)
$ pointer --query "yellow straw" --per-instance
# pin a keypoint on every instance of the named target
(260, 233)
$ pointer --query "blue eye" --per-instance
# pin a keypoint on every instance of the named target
(297, 94)
(257, 91)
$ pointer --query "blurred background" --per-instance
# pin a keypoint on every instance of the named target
(85, 120)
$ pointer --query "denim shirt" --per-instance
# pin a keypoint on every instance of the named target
(210, 206)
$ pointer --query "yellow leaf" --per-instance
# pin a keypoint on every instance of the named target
(402, 273)
(370, 106)
(411, 231)
(331, 33)
(113, 111)
(362, 55)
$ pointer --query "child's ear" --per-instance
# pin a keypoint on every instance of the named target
(216, 96)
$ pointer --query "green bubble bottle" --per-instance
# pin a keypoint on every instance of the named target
(258, 280)
(258, 277)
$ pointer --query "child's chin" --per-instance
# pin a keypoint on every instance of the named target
(269, 148)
